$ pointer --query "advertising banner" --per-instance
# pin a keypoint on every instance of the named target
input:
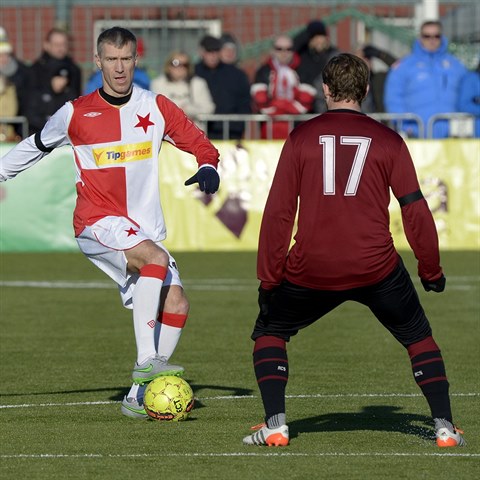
(36, 207)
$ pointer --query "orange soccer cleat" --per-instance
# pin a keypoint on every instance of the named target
(272, 437)
(447, 434)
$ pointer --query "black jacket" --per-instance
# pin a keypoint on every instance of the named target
(230, 90)
(43, 101)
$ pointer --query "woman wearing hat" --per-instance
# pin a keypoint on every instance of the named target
(179, 83)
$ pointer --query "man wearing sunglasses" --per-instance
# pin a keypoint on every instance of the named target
(277, 89)
(426, 82)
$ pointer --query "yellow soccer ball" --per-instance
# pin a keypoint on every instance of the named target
(168, 398)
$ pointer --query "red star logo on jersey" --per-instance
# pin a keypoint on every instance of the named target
(131, 231)
(144, 122)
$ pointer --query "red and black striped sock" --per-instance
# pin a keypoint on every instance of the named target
(271, 369)
(429, 373)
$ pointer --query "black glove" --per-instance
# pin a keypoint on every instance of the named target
(434, 286)
(370, 51)
(264, 298)
(207, 178)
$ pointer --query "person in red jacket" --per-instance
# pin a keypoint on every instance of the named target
(338, 169)
(277, 89)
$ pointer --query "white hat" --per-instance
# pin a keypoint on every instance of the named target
(5, 47)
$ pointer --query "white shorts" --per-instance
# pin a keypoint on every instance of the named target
(104, 244)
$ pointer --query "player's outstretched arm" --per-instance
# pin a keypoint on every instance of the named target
(22, 156)
(32, 149)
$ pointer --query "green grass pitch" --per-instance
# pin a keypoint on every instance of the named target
(354, 410)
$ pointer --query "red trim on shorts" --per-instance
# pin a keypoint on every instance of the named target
(269, 341)
(173, 319)
(426, 345)
(154, 271)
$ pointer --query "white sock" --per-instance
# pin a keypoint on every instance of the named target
(146, 300)
(137, 391)
(168, 338)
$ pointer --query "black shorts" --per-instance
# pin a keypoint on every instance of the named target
(394, 301)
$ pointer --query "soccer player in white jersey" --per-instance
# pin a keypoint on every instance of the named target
(116, 133)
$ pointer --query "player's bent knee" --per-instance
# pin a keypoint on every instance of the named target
(176, 302)
(182, 307)
(159, 257)
(146, 253)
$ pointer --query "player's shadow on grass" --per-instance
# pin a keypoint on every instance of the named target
(66, 392)
(119, 392)
(386, 418)
(197, 388)
(228, 391)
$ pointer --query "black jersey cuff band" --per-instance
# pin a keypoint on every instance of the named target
(40, 145)
(410, 198)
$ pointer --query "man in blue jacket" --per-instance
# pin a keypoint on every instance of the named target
(469, 96)
(426, 82)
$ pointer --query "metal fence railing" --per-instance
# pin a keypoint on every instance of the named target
(253, 121)
(16, 121)
(461, 125)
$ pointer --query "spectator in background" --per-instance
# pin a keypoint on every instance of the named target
(229, 87)
(179, 83)
(16, 73)
(373, 102)
(313, 46)
(140, 75)
(229, 49)
(54, 79)
(8, 108)
(469, 96)
(277, 89)
(426, 82)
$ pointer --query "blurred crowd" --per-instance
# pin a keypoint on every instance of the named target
(428, 82)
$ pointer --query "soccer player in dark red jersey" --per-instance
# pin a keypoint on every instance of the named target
(338, 169)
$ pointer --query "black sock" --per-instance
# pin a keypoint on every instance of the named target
(271, 369)
(429, 373)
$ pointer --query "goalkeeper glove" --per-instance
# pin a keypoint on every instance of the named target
(434, 285)
(207, 178)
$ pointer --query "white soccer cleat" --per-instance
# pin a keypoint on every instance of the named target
(447, 434)
(154, 367)
(132, 408)
(272, 437)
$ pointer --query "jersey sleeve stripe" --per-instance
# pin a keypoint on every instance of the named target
(40, 145)
(410, 198)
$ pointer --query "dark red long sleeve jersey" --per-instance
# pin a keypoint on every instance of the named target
(338, 169)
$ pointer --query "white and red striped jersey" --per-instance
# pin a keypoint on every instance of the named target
(116, 155)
